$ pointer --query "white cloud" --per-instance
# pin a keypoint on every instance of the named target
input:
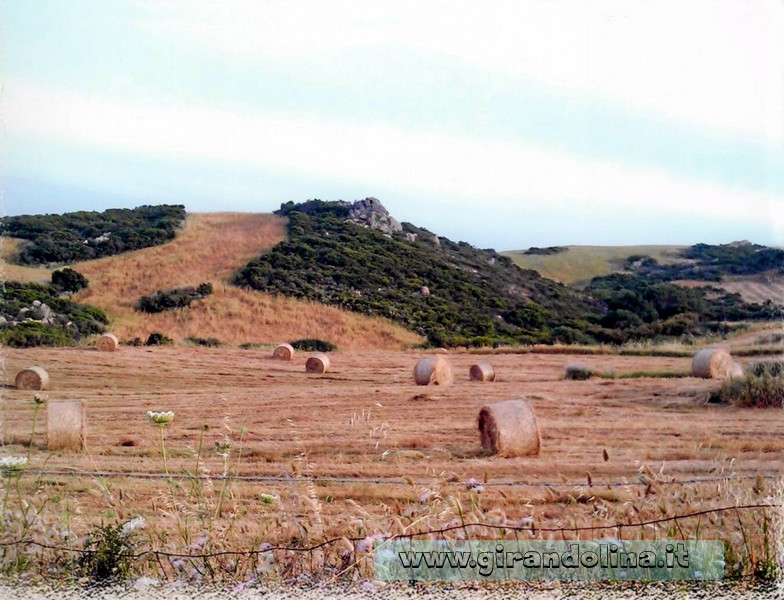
(716, 63)
(464, 169)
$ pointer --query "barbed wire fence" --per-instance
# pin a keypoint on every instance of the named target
(615, 530)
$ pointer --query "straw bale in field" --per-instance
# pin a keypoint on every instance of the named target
(482, 371)
(433, 369)
(32, 378)
(108, 342)
(712, 363)
(317, 363)
(508, 428)
(283, 352)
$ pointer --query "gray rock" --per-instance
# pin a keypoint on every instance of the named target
(371, 213)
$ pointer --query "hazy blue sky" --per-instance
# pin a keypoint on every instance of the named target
(504, 124)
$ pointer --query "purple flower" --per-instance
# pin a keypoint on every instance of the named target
(473, 484)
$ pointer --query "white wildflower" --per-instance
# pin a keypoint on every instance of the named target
(223, 447)
(160, 417)
(133, 524)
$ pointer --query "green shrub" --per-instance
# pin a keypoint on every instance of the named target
(31, 334)
(761, 387)
(158, 339)
(68, 280)
(577, 372)
(108, 556)
(313, 345)
(181, 297)
(63, 323)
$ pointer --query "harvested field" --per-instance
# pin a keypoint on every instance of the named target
(362, 452)
(360, 419)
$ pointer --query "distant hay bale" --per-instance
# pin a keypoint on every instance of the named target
(318, 363)
(108, 342)
(509, 428)
(737, 371)
(283, 352)
(441, 351)
(482, 371)
(32, 378)
(433, 369)
(66, 425)
(712, 363)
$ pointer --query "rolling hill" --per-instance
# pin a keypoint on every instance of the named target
(350, 274)
(577, 265)
(210, 248)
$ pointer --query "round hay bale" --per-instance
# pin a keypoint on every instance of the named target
(66, 425)
(318, 363)
(32, 378)
(737, 371)
(711, 363)
(283, 352)
(433, 369)
(108, 342)
(509, 428)
(482, 371)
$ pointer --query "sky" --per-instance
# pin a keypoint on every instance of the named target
(506, 124)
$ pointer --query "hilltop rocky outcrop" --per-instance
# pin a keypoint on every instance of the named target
(371, 213)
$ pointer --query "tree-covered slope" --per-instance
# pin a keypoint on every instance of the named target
(456, 294)
(84, 235)
(451, 292)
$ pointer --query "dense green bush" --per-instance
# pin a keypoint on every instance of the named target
(313, 345)
(158, 339)
(577, 372)
(182, 297)
(31, 333)
(761, 387)
(55, 321)
(84, 235)
(68, 280)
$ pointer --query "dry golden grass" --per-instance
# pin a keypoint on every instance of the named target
(579, 264)
(753, 288)
(361, 419)
(211, 248)
(8, 248)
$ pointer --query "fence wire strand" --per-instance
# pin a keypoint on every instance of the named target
(290, 478)
(517, 528)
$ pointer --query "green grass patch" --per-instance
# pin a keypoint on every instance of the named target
(653, 373)
(766, 351)
(209, 342)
